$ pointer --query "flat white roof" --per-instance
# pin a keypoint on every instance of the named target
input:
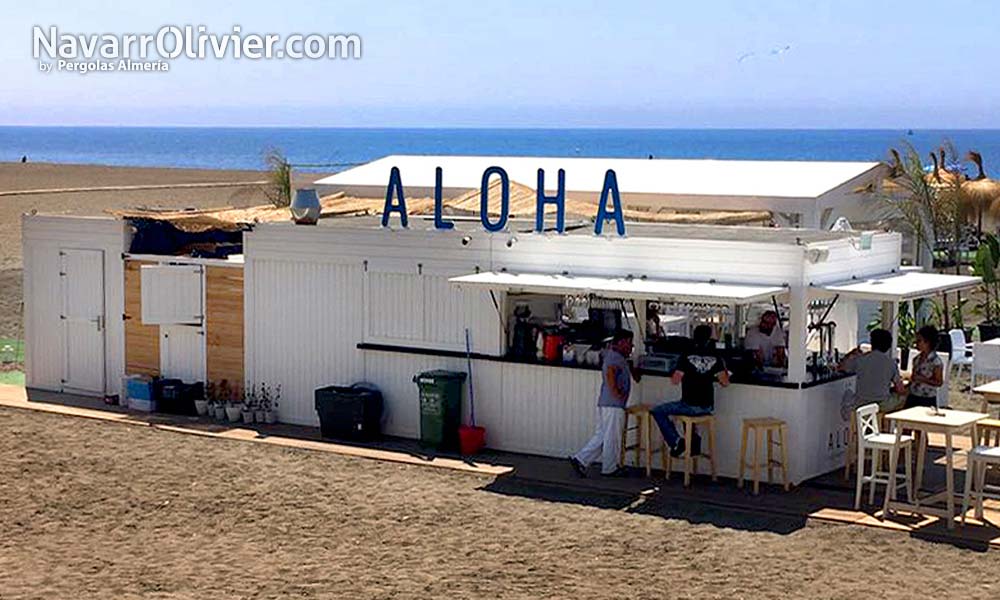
(899, 287)
(619, 287)
(753, 178)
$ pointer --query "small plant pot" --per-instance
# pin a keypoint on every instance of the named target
(201, 407)
(220, 413)
(260, 416)
(233, 414)
(271, 417)
(247, 417)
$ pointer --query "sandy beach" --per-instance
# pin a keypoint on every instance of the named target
(18, 177)
(102, 510)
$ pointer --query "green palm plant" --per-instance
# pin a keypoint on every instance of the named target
(279, 178)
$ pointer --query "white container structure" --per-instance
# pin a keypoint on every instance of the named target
(348, 300)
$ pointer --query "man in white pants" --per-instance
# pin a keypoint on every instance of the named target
(616, 384)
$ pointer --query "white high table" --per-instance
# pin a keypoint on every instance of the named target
(928, 420)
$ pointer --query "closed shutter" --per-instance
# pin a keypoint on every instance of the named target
(172, 294)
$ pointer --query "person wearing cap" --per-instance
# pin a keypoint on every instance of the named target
(616, 385)
(696, 373)
(766, 341)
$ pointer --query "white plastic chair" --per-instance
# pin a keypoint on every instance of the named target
(870, 438)
(960, 348)
(980, 459)
(985, 362)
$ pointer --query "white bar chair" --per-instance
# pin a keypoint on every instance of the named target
(870, 438)
(980, 459)
(985, 363)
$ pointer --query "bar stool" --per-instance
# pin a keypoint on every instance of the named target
(765, 429)
(851, 451)
(643, 439)
(871, 438)
(688, 424)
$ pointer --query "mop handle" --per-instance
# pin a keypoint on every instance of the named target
(472, 392)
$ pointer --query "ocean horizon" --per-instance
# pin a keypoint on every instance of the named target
(332, 149)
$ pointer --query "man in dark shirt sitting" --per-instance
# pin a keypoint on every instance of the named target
(696, 373)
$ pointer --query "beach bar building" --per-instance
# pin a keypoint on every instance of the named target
(363, 299)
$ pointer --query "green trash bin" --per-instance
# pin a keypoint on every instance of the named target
(440, 408)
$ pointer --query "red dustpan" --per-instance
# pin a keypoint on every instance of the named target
(471, 439)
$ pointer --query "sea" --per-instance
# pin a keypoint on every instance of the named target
(330, 150)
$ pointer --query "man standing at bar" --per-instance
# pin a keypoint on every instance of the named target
(696, 373)
(767, 341)
(616, 385)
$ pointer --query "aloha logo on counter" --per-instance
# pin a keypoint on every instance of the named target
(395, 202)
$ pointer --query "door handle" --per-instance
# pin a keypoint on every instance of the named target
(100, 322)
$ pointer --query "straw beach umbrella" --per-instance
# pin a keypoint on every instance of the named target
(982, 192)
(941, 176)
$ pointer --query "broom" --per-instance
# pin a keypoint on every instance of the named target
(471, 438)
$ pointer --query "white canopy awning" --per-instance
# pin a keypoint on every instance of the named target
(632, 288)
(901, 287)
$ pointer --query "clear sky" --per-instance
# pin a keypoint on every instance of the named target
(583, 63)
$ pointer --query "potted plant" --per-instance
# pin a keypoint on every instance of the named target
(263, 400)
(201, 404)
(271, 412)
(222, 393)
(247, 407)
(219, 410)
(985, 265)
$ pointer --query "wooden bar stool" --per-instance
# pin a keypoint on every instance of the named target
(688, 424)
(764, 430)
(643, 429)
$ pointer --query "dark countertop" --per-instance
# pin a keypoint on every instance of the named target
(756, 379)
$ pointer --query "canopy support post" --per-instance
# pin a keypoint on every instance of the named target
(798, 317)
(890, 321)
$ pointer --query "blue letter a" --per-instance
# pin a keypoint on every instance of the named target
(603, 214)
(559, 200)
(395, 188)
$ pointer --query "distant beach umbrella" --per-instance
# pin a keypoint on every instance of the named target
(895, 164)
(940, 175)
(981, 191)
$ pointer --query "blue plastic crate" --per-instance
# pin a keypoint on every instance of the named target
(138, 387)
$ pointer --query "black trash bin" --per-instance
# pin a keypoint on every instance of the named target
(440, 408)
(349, 412)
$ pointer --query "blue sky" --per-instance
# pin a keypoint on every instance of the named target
(443, 63)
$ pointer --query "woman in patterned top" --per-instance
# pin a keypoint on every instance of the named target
(927, 372)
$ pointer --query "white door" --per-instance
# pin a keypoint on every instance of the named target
(82, 275)
(182, 352)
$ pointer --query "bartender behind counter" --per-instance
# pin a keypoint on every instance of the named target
(767, 341)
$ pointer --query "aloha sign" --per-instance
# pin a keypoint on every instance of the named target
(608, 209)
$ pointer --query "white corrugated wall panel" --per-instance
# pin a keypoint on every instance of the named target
(396, 308)
(546, 410)
(304, 320)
